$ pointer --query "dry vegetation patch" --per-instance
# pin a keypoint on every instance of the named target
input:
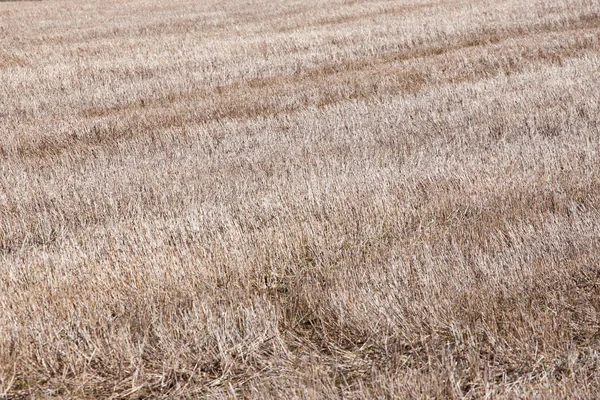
(317, 199)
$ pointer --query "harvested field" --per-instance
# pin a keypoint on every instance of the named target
(300, 199)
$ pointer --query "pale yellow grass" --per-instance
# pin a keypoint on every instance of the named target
(300, 199)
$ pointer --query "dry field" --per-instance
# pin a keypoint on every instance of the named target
(300, 199)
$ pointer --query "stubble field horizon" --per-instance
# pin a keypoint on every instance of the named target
(300, 199)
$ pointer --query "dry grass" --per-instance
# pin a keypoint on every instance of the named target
(300, 199)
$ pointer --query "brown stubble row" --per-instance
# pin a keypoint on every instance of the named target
(318, 88)
(346, 201)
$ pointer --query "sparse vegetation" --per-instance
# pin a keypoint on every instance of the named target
(300, 199)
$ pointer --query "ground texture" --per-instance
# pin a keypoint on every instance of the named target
(300, 199)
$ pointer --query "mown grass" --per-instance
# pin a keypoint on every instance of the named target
(366, 199)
